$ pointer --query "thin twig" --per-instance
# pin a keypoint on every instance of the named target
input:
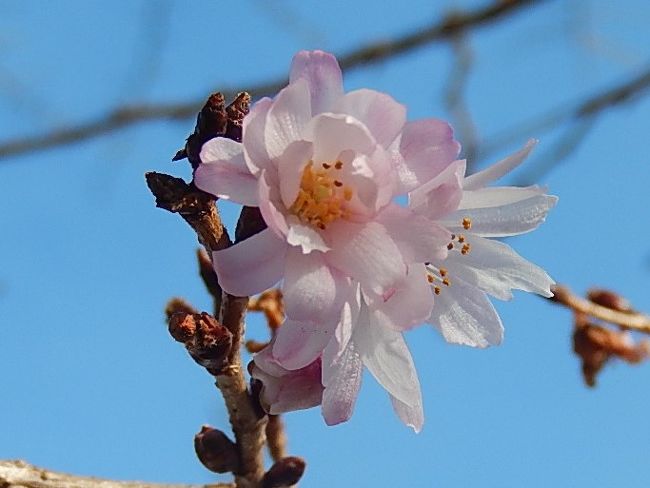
(374, 52)
(19, 474)
(626, 320)
(276, 437)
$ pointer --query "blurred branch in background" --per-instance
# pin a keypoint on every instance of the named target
(373, 52)
(602, 322)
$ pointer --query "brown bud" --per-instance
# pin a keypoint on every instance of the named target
(182, 326)
(216, 451)
(609, 299)
(211, 343)
(286, 472)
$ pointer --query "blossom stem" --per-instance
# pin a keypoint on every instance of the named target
(626, 320)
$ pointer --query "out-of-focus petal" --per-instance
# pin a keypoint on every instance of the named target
(419, 238)
(251, 266)
(366, 253)
(253, 142)
(323, 75)
(223, 172)
(380, 113)
(441, 195)
(384, 352)
(426, 148)
(496, 171)
(496, 269)
(464, 315)
(287, 118)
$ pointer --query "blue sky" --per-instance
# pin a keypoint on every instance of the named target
(91, 382)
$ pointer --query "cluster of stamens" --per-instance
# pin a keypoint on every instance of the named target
(322, 196)
(436, 277)
(465, 248)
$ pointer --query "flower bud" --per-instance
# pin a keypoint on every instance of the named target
(216, 451)
(286, 472)
(609, 299)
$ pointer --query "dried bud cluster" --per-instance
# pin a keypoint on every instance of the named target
(207, 341)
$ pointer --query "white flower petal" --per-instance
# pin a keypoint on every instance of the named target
(380, 113)
(496, 171)
(269, 201)
(287, 118)
(342, 385)
(304, 236)
(253, 142)
(496, 269)
(334, 133)
(290, 169)
(505, 220)
(464, 315)
(412, 416)
(224, 174)
(366, 253)
(252, 265)
(385, 354)
(323, 75)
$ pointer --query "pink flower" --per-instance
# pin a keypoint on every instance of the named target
(357, 269)
(324, 168)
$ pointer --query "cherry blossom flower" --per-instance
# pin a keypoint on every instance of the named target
(357, 269)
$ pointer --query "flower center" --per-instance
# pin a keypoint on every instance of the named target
(322, 196)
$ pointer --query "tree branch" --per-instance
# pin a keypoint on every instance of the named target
(374, 52)
(19, 474)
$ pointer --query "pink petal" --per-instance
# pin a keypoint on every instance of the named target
(366, 253)
(343, 332)
(420, 240)
(441, 195)
(409, 304)
(426, 148)
(311, 290)
(464, 315)
(251, 266)
(334, 133)
(298, 343)
(287, 118)
(255, 152)
(342, 386)
(380, 113)
(323, 75)
(224, 174)
(497, 170)
(268, 202)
